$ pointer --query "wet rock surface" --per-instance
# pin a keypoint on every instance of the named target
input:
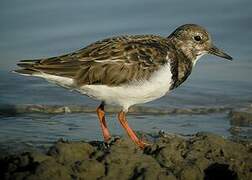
(10, 110)
(241, 123)
(201, 156)
(241, 117)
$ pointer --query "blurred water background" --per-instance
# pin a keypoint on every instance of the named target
(38, 29)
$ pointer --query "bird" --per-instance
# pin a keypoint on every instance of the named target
(127, 70)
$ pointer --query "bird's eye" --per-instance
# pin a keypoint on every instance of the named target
(197, 38)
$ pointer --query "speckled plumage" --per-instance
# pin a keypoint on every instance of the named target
(120, 60)
(112, 61)
(127, 70)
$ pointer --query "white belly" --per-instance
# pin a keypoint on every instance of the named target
(126, 95)
(135, 93)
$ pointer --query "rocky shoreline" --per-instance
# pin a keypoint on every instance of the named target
(200, 156)
(8, 110)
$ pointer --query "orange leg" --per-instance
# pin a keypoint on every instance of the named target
(130, 132)
(101, 116)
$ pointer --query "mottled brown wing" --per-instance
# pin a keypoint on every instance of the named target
(112, 61)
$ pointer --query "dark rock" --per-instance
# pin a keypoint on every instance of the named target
(70, 152)
(241, 117)
(125, 161)
(50, 169)
(202, 156)
(88, 169)
(219, 171)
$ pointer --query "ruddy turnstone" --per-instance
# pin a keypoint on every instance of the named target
(127, 70)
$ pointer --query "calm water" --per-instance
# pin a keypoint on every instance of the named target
(39, 29)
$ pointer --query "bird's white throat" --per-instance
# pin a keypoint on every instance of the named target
(197, 58)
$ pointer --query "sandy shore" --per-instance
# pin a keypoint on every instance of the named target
(201, 156)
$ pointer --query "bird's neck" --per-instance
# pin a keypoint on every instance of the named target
(185, 49)
(181, 64)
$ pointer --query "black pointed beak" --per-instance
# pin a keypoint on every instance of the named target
(217, 52)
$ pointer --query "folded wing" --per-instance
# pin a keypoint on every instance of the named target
(110, 62)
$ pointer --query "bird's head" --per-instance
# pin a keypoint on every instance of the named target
(195, 41)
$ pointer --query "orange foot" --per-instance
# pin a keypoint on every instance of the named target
(142, 144)
(130, 132)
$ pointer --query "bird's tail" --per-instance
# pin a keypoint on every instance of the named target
(27, 67)
(58, 66)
